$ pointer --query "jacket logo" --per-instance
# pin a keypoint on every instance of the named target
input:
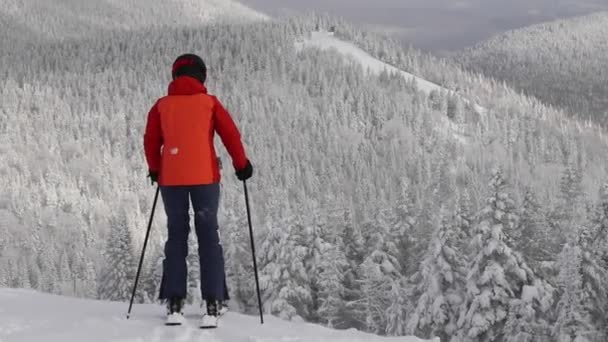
(174, 151)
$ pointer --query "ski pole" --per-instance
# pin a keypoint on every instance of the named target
(255, 264)
(143, 251)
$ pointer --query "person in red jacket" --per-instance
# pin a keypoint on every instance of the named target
(181, 157)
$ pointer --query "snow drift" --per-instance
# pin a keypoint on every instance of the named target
(31, 316)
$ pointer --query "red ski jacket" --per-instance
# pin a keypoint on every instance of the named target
(180, 131)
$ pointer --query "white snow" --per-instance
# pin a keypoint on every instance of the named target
(529, 294)
(28, 316)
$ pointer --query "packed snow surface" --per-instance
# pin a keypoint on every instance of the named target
(28, 316)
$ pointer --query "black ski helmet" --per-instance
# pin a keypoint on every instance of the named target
(190, 65)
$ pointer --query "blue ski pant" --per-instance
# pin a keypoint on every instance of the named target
(205, 201)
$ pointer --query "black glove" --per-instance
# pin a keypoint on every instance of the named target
(153, 175)
(245, 173)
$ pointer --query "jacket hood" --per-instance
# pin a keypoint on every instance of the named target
(186, 85)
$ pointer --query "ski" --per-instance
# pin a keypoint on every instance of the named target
(175, 319)
(211, 322)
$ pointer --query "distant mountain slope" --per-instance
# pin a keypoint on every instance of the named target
(562, 63)
(327, 41)
(76, 18)
(28, 316)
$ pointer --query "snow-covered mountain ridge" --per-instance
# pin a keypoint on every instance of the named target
(325, 40)
(31, 316)
(563, 63)
(77, 18)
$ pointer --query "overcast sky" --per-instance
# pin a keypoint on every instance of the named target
(438, 24)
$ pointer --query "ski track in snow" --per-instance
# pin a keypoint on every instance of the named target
(28, 316)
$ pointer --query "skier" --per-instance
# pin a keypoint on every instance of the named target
(182, 160)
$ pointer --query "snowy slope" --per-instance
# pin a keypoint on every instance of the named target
(27, 316)
(79, 18)
(325, 40)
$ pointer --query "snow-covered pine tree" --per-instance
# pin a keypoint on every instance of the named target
(400, 230)
(463, 217)
(151, 275)
(66, 278)
(239, 269)
(34, 273)
(317, 238)
(455, 107)
(371, 306)
(598, 239)
(594, 279)
(396, 313)
(4, 272)
(23, 276)
(46, 261)
(88, 285)
(535, 243)
(333, 266)
(497, 274)
(526, 321)
(440, 290)
(354, 249)
(194, 278)
(378, 272)
(283, 277)
(570, 210)
(117, 278)
(574, 321)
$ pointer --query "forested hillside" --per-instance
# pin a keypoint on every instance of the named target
(370, 211)
(64, 19)
(562, 63)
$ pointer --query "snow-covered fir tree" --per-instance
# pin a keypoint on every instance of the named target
(194, 277)
(239, 267)
(570, 210)
(598, 238)
(463, 217)
(284, 280)
(117, 278)
(354, 250)
(594, 276)
(399, 307)
(498, 275)
(441, 289)
(333, 267)
(574, 321)
(535, 242)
